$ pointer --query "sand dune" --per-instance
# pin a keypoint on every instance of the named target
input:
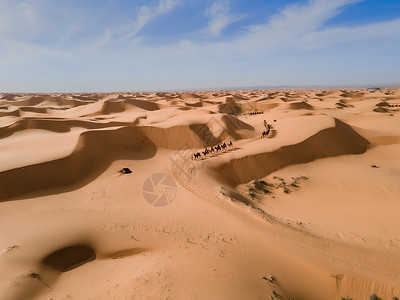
(95, 151)
(307, 211)
(9, 111)
(39, 110)
(143, 104)
(230, 106)
(338, 140)
(113, 106)
(299, 105)
(53, 124)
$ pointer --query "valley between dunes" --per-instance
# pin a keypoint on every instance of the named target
(309, 211)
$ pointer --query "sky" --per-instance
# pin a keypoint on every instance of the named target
(157, 45)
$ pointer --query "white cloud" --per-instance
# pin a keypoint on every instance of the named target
(298, 19)
(294, 29)
(19, 19)
(144, 16)
(293, 47)
(220, 17)
(293, 23)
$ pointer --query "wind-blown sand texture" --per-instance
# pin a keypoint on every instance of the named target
(315, 203)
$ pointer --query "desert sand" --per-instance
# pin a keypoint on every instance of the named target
(309, 211)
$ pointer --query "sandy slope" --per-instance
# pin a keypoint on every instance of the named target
(314, 204)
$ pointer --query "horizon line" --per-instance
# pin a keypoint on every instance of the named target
(210, 89)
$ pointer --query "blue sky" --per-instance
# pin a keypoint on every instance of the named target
(137, 45)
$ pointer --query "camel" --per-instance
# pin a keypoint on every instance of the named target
(196, 155)
(264, 133)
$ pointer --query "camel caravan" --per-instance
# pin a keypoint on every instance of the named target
(225, 146)
(255, 113)
(213, 149)
(268, 129)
